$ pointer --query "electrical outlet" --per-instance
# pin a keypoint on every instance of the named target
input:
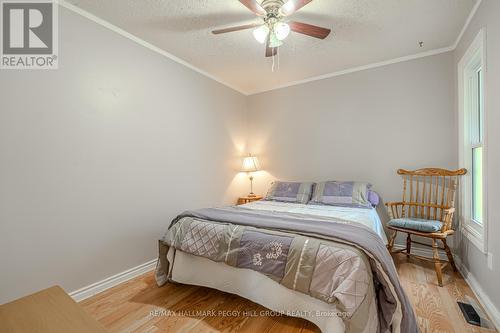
(489, 258)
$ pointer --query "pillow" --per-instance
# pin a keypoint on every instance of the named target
(290, 192)
(374, 198)
(337, 193)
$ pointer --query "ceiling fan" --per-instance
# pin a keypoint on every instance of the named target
(274, 30)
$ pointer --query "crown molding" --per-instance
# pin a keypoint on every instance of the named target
(156, 49)
(357, 69)
(142, 42)
(382, 63)
(467, 22)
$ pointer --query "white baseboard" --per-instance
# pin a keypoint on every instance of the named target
(481, 295)
(95, 288)
(474, 285)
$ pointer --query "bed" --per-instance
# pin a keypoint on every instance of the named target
(326, 264)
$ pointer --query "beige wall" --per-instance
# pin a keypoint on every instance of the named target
(475, 261)
(98, 156)
(359, 126)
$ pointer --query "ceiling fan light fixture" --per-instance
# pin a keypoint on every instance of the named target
(282, 30)
(260, 34)
(274, 26)
(288, 7)
(274, 41)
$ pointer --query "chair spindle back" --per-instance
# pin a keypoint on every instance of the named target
(428, 192)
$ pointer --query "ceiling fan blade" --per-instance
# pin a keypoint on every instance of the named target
(291, 6)
(237, 28)
(270, 51)
(309, 30)
(254, 6)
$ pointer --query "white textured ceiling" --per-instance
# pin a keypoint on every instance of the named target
(364, 32)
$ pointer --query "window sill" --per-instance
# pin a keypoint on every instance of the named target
(475, 237)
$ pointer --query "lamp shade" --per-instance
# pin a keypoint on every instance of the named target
(250, 164)
(282, 30)
(260, 34)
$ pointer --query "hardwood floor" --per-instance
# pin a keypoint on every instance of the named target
(130, 306)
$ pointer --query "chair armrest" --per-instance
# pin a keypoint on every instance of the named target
(393, 209)
(449, 210)
(395, 203)
(447, 219)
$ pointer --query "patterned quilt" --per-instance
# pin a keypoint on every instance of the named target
(333, 271)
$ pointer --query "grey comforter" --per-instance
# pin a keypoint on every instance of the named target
(334, 261)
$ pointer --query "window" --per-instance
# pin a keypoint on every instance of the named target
(476, 114)
(471, 73)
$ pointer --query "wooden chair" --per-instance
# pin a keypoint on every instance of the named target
(427, 211)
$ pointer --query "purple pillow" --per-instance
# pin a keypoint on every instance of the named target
(373, 198)
(290, 192)
(342, 193)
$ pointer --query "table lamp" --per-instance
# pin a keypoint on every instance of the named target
(250, 165)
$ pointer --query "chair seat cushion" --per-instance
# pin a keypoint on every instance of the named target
(421, 225)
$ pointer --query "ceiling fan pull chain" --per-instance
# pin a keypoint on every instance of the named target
(272, 67)
(279, 58)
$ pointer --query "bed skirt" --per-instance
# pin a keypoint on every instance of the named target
(260, 289)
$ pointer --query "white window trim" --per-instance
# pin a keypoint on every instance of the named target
(476, 233)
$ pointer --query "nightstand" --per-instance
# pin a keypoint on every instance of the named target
(244, 200)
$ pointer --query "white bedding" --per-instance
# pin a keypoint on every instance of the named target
(365, 216)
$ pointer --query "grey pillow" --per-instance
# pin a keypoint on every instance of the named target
(340, 193)
(298, 192)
